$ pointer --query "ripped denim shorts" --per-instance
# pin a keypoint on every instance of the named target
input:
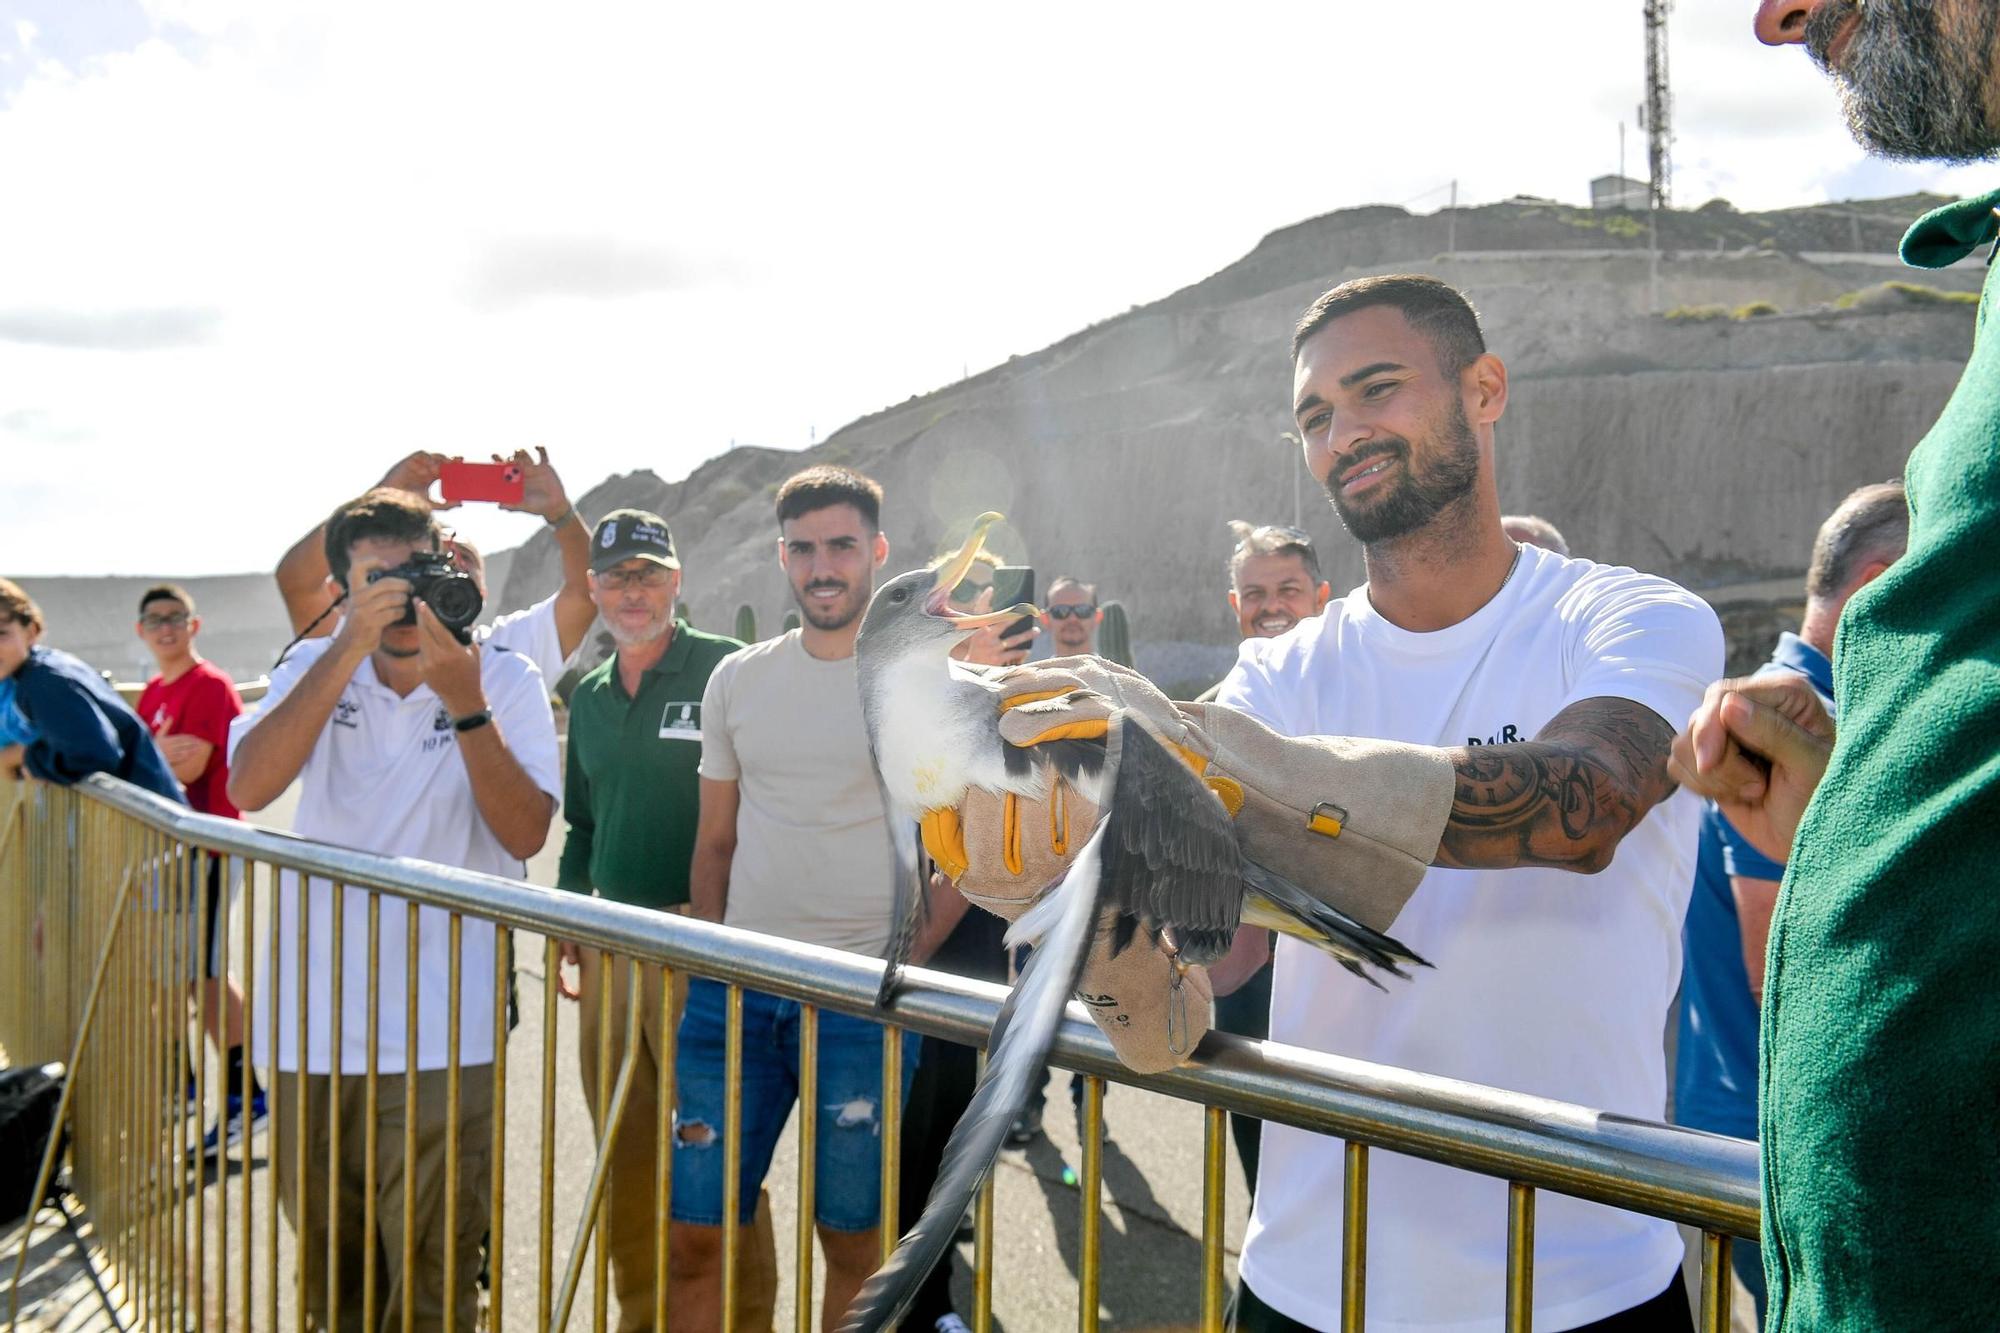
(848, 1167)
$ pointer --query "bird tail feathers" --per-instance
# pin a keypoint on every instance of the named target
(1276, 903)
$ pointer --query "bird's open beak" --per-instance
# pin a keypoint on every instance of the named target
(950, 573)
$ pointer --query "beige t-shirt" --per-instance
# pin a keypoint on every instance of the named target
(812, 853)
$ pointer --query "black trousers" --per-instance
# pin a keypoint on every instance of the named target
(1246, 1012)
(1665, 1313)
(940, 1092)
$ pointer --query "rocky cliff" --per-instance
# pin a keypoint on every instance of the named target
(1705, 443)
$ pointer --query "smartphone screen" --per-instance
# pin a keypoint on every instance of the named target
(498, 483)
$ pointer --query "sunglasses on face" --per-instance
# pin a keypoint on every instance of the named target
(177, 620)
(619, 579)
(1066, 612)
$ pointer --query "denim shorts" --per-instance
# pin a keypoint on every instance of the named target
(847, 1170)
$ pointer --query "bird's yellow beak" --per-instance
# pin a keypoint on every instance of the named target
(949, 574)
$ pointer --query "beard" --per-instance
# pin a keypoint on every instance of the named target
(1425, 489)
(646, 633)
(837, 614)
(1910, 89)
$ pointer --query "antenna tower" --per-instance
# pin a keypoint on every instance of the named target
(1659, 108)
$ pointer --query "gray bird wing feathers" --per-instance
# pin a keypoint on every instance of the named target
(909, 904)
(1276, 903)
(1018, 1057)
(1171, 860)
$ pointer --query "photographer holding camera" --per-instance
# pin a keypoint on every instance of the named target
(407, 742)
(547, 633)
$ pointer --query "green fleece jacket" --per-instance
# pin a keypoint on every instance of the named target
(1880, 1101)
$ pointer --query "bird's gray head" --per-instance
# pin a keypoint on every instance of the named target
(911, 613)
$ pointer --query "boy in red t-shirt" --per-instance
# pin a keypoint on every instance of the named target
(188, 707)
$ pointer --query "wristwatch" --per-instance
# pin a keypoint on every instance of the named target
(472, 721)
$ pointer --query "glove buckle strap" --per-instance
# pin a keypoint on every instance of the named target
(1177, 1015)
(1327, 819)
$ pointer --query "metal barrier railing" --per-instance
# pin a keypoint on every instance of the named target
(107, 872)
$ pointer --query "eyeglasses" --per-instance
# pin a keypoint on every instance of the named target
(655, 576)
(1066, 612)
(177, 620)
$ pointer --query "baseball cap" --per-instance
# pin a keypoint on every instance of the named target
(626, 534)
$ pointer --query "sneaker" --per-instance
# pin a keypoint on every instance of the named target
(214, 1142)
(1027, 1127)
(951, 1323)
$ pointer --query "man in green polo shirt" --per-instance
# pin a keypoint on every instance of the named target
(1881, 1034)
(631, 797)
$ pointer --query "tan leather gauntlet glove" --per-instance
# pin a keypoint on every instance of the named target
(1353, 822)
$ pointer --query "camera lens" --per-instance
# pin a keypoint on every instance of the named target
(456, 600)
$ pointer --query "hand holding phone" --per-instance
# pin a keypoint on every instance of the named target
(499, 483)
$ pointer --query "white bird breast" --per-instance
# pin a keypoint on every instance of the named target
(931, 751)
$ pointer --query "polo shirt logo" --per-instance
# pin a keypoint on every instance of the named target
(441, 720)
(347, 713)
(681, 722)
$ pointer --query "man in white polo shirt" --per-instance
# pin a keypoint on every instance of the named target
(406, 743)
(549, 633)
(1552, 685)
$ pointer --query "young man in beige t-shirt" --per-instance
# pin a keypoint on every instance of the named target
(791, 842)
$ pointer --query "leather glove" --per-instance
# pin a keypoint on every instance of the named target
(1355, 822)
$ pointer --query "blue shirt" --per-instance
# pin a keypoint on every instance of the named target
(81, 727)
(1715, 1063)
(14, 729)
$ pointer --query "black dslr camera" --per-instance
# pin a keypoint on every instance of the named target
(449, 591)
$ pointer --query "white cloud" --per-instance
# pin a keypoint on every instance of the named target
(644, 231)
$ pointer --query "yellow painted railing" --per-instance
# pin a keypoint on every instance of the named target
(101, 912)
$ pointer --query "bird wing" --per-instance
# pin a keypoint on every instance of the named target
(909, 902)
(1018, 1057)
(1276, 903)
(1171, 858)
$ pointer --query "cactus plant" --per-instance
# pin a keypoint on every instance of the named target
(791, 621)
(746, 624)
(1114, 635)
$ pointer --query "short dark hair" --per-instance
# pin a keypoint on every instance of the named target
(1271, 539)
(1070, 581)
(17, 606)
(166, 592)
(1872, 522)
(826, 485)
(383, 513)
(1435, 309)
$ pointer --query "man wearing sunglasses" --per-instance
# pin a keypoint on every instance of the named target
(1072, 616)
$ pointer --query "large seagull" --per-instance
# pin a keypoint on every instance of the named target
(1164, 854)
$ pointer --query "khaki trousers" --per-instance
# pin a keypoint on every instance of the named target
(306, 1209)
(628, 1213)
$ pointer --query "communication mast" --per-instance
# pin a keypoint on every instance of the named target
(1657, 115)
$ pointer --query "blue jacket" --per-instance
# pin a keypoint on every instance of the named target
(82, 727)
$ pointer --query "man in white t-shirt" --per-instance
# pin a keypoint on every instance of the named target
(791, 842)
(406, 743)
(1551, 684)
(549, 633)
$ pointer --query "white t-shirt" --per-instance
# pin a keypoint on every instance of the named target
(812, 852)
(1545, 981)
(385, 776)
(532, 634)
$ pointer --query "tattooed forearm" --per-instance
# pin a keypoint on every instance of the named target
(1564, 799)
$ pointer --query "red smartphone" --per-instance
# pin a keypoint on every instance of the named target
(501, 483)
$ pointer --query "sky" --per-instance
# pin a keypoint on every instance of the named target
(253, 252)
